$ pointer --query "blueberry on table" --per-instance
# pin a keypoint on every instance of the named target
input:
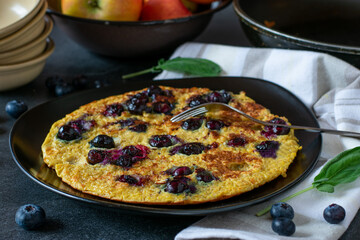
(334, 214)
(30, 216)
(282, 209)
(63, 89)
(80, 82)
(283, 226)
(101, 83)
(15, 108)
(52, 81)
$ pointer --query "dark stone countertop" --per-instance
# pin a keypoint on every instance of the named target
(71, 219)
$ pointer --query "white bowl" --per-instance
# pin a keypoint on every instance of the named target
(26, 34)
(14, 14)
(29, 51)
(16, 75)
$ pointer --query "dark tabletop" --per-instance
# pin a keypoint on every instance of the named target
(72, 219)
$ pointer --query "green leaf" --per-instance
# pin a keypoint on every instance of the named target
(344, 168)
(192, 66)
(325, 188)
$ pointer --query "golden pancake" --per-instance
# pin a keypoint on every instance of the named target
(125, 147)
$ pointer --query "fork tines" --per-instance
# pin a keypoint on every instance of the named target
(188, 113)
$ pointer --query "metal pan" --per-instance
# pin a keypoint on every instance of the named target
(328, 26)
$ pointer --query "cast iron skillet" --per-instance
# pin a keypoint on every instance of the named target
(31, 128)
(132, 39)
(329, 26)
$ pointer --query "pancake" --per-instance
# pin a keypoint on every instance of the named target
(125, 148)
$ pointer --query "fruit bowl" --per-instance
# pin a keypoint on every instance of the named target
(129, 39)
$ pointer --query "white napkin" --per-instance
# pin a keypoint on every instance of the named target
(331, 87)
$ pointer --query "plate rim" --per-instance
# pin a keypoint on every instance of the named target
(161, 209)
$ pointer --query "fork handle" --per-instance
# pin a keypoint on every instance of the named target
(325, 130)
(309, 129)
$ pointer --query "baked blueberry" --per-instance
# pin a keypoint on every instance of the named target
(139, 128)
(179, 171)
(282, 209)
(196, 100)
(113, 110)
(162, 107)
(270, 131)
(68, 133)
(127, 122)
(192, 148)
(177, 185)
(334, 213)
(124, 161)
(283, 226)
(137, 103)
(131, 151)
(215, 124)
(160, 141)
(15, 108)
(268, 148)
(132, 180)
(192, 124)
(236, 141)
(30, 216)
(96, 156)
(204, 175)
(154, 91)
(102, 141)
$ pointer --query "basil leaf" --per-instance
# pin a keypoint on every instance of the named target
(326, 188)
(192, 66)
(344, 168)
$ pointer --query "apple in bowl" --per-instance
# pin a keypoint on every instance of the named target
(109, 10)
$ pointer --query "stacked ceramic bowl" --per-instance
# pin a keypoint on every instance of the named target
(24, 41)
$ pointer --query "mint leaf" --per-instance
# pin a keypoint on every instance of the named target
(191, 66)
(344, 168)
(325, 188)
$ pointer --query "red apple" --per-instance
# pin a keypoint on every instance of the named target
(203, 1)
(163, 9)
(110, 10)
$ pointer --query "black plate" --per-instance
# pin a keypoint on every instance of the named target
(30, 130)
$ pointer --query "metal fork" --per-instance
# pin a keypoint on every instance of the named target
(203, 108)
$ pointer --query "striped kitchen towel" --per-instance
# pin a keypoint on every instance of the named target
(331, 87)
